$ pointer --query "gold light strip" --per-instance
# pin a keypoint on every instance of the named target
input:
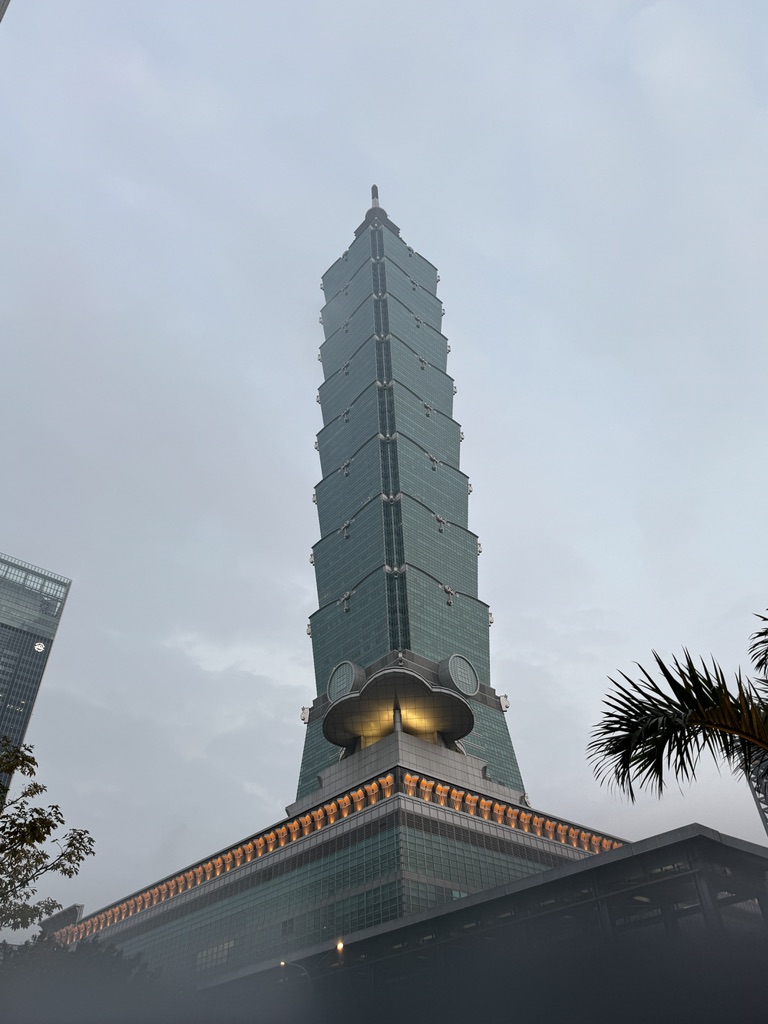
(504, 814)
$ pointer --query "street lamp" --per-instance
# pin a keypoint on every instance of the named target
(339, 948)
(292, 963)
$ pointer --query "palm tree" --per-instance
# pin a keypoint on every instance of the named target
(653, 728)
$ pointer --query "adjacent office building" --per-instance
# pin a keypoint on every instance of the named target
(31, 603)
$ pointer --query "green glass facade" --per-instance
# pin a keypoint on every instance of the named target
(31, 603)
(396, 563)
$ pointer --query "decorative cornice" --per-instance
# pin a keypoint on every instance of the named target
(443, 794)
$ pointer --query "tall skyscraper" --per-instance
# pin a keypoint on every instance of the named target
(31, 603)
(396, 564)
(409, 793)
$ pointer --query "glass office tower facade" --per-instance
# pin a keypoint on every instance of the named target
(396, 563)
(409, 793)
(31, 603)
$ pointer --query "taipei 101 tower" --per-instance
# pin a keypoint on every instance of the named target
(396, 563)
(409, 794)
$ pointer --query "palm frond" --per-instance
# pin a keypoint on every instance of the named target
(758, 647)
(650, 730)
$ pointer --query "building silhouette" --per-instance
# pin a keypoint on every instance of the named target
(31, 603)
(411, 831)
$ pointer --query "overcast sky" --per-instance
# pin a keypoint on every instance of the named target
(590, 180)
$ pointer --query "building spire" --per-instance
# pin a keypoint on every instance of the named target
(375, 215)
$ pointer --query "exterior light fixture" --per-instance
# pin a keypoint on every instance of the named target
(339, 946)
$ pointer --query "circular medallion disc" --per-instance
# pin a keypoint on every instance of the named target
(342, 678)
(463, 674)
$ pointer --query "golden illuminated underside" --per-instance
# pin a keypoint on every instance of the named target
(372, 713)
